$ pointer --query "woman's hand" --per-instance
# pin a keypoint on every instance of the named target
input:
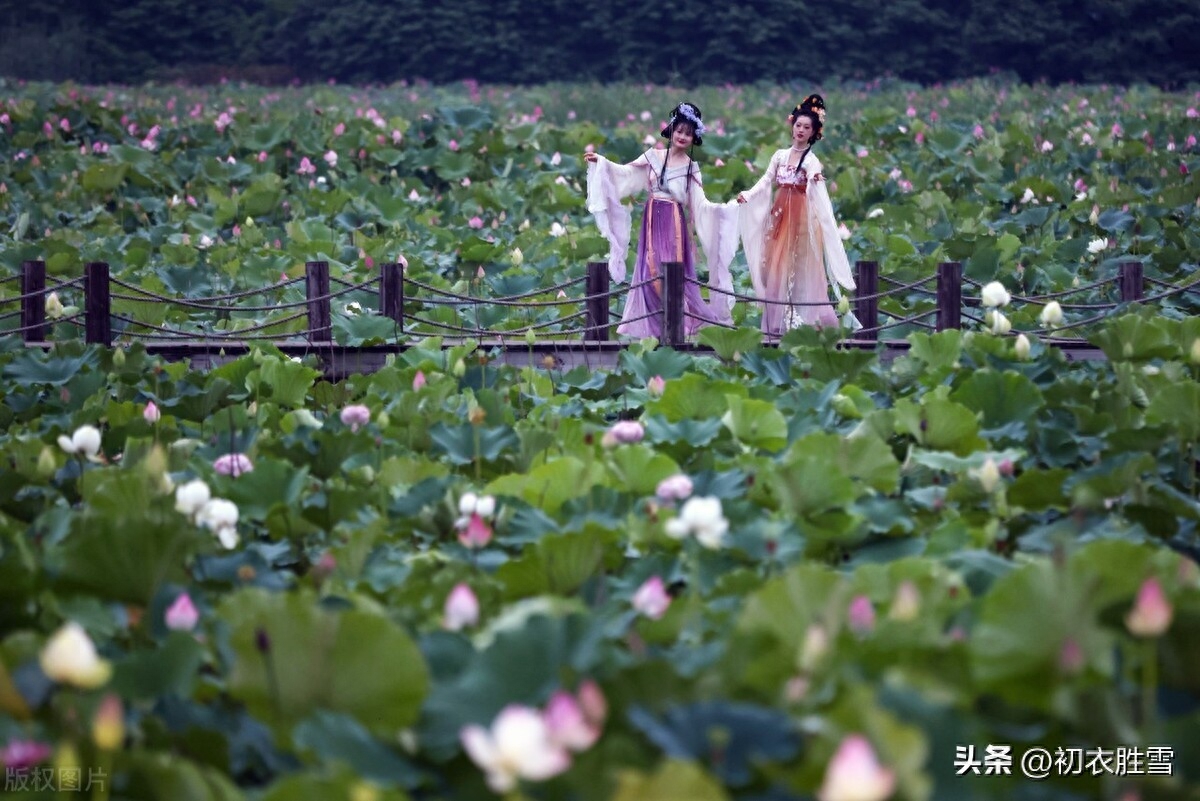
(590, 158)
(741, 198)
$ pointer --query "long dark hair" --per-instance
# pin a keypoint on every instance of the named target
(677, 118)
(812, 107)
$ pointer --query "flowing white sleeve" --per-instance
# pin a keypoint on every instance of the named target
(820, 213)
(717, 229)
(752, 222)
(608, 184)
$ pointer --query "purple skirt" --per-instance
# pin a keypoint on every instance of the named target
(664, 238)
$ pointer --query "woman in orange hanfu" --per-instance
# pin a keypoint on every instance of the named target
(792, 245)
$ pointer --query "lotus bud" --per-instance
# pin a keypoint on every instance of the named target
(46, 463)
(1052, 314)
(843, 306)
(108, 726)
(119, 358)
(1022, 347)
(988, 475)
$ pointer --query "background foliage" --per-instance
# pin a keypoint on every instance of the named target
(1128, 41)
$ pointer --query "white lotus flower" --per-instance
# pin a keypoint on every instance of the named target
(191, 497)
(1052, 314)
(1028, 196)
(988, 475)
(994, 294)
(999, 324)
(85, 442)
(69, 657)
(1022, 347)
(1096, 245)
(702, 518)
(518, 746)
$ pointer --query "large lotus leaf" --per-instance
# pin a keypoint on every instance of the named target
(663, 362)
(938, 350)
(1002, 397)
(55, 367)
(167, 775)
(171, 668)
(332, 738)
(557, 565)
(272, 483)
(731, 737)
(730, 344)
(464, 443)
(638, 469)
(282, 381)
(695, 397)
(1111, 478)
(1037, 489)
(104, 177)
(939, 424)
(696, 433)
(774, 622)
(1136, 338)
(674, 780)
(807, 483)
(756, 423)
(1024, 621)
(1178, 407)
(551, 484)
(130, 540)
(293, 657)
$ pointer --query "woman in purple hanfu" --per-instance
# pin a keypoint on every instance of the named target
(675, 191)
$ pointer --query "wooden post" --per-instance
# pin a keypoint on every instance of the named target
(672, 299)
(597, 287)
(316, 285)
(391, 292)
(97, 305)
(1130, 281)
(949, 295)
(33, 300)
(866, 306)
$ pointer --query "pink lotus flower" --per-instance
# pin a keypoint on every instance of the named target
(182, 614)
(978, 131)
(262, 156)
(1151, 613)
(656, 386)
(1117, 130)
(911, 112)
(624, 432)
(651, 599)
(223, 121)
(475, 222)
(854, 774)
(331, 158)
(568, 725)
(476, 533)
(418, 381)
(861, 614)
(306, 167)
(1192, 114)
(22, 755)
(339, 129)
(461, 609)
(151, 414)
(233, 464)
(1190, 141)
(674, 488)
(453, 144)
(355, 416)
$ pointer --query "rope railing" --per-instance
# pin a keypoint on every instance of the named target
(598, 304)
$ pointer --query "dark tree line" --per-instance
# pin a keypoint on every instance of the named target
(516, 41)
